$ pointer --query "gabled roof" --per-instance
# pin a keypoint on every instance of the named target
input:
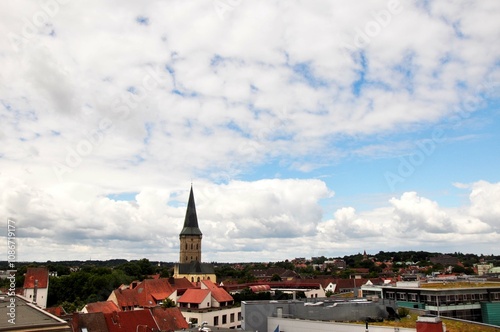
(126, 297)
(325, 282)
(169, 319)
(127, 321)
(191, 220)
(145, 294)
(196, 268)
(149, 291)
(36, 273)
(194, 295)
(219, 294)
(103, 306)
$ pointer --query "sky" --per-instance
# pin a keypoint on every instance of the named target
(306, 128)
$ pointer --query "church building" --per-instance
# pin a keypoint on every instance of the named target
(190, 265)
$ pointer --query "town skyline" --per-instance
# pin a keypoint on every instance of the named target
(304, 129)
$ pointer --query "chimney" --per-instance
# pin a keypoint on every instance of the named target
(429, 323)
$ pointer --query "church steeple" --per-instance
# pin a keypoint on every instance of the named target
(190, 236)
(191, 220)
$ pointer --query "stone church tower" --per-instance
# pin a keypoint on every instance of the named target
(190, 265)
(190, 236)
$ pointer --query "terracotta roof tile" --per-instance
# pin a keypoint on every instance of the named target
(180, 283)
(93, 322)
(103, 306)
(218, 293)
(56, 311)
(145, 294)
(36, 273)
(129, 321)
(169, 319)
(193, 295)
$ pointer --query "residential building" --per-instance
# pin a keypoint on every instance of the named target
(145, 294)
(210, 303)
(483, 269)
(36, 285)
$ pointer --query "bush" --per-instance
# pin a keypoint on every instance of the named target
(403, 312)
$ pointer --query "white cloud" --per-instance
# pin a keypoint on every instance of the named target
(93, 102)
(415, 222)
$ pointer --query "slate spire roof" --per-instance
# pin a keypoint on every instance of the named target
(191, 220)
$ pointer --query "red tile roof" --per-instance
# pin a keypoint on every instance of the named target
(94, 322)
(130, 321)
(36, 273)
(169, 319)
(180, 283)
(103, 306)
(193, 295)
(126, 297)
(145, 294)
(56, 311)
(219, 294)
(149, 291)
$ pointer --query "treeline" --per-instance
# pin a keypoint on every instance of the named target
(89, 282)
(376, 264)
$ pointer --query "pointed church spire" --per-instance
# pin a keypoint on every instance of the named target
(191, 220)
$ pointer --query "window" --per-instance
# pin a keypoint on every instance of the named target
(239, 315)
(231, 318)
(413, 297)
(473, 296)
(216, 320)
(402, 296)
(224, 319)
(390, 295)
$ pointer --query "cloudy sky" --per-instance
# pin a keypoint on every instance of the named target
(306, 128)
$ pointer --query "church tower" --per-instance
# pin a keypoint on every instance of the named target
(190, 236)
(190, 265)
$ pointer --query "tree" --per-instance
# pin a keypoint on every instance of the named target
(168, 303)
(328, 293)
(145, 266)
(275, 277)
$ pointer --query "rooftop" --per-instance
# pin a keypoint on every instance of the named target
(29, 316)
(36, 273)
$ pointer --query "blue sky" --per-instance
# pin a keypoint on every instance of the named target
(334, 127)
